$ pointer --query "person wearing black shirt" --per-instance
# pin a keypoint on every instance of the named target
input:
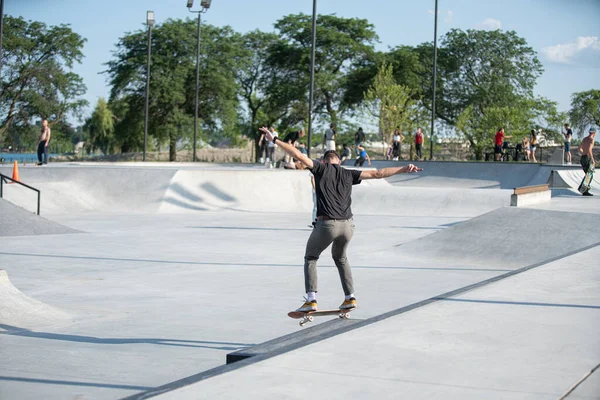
(335, 226)
(568, 137)
(292, 139)
(359, 139)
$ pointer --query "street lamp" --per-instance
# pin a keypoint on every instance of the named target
(205, 5)
(434, 78)
(1, 22)
(150, 23)
(312, 75)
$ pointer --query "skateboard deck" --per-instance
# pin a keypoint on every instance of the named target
(305, 317)
(587, 181)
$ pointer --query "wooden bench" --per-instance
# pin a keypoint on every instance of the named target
(528, 195)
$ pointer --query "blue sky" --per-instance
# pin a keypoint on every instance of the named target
(566, 34)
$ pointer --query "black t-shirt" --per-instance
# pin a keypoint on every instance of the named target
(569, 133)
(359, 137)
(292, 137)
(334, 189)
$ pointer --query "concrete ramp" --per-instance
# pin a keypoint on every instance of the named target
(467, 175)
(15, 221)
(569, 179)
(17, 310)
(509, 237)
(241, 190)
(76, 189)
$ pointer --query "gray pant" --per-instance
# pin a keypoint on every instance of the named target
(338, 232)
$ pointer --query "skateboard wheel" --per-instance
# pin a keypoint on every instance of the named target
(347, 315)
(311, 318)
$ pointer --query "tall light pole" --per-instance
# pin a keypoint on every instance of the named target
(205, 5)
(150, 23)
(312, 75)
(1, 23)
(434, 78)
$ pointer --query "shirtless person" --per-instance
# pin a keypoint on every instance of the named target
(333, 186)
(587, 155)
(44, 142)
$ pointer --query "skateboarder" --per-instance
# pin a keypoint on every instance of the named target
(334, 217)
(587, 155)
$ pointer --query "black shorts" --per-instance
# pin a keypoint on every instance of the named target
(498, 149)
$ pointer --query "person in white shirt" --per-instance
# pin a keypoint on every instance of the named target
(272, 149)
(329, 138)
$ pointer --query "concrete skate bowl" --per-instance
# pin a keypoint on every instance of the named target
(15, 221)
(508, 237)
(19, 311)
(127, 189)
(469, 175)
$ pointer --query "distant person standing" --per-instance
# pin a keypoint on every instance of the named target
(397, 140)
(359, 140)
(292, 139)
(44, 142)
(419, 143)
(526, 150)
(263, 146)
(362, 157)
(498, 141)
(329, 138)
(272, 149)
(568, 136)
(533, 144)
(587, 155)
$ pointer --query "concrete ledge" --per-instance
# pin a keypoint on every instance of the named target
(297, 339)
(528, 195)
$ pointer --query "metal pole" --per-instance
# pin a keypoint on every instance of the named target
(197, 85)
(312, 75)
(147, 90)
(1, 23)
(434, 79)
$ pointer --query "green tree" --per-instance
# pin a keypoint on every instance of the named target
(37, 77)
(391, 103)
(268, 96)
(341, 45)
(173, 82)
(585, 110)
(102, 128)
(480, 69)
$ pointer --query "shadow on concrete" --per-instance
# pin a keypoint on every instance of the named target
(73, 383)
(233, 264)
(215, 191)
(185, 193)
(518, 303)
(16, 331)
(182, 204)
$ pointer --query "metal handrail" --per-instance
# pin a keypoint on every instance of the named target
(3, 179)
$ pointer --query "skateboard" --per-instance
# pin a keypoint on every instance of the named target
(586, 183)
(305, 317)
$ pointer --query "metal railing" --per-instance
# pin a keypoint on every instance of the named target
(3, 180)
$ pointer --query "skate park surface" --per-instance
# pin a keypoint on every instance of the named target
(138, 280)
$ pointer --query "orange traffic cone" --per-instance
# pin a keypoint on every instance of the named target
(16, 172)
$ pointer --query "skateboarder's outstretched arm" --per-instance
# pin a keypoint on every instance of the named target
(386, 172)
(288, 148)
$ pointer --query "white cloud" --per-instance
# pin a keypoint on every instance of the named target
(448, 15)
(580, 50)
(489, 24)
